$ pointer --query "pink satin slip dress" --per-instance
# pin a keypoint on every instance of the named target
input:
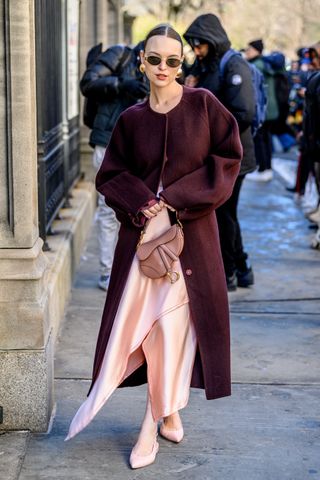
(152, 324)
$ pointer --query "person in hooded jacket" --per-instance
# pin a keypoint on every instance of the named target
(235, 90)
(112, 82)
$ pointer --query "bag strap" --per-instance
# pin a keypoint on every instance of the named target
(225, 59)
(124, 58)
(162, 169)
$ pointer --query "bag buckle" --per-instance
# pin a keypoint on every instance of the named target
(173, 276)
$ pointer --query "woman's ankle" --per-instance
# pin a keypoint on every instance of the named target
(146, 439)
(173, 420)
(149, 428)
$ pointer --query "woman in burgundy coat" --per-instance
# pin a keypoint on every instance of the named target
(176, 154)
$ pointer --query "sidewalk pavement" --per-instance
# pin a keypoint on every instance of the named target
(268, 429)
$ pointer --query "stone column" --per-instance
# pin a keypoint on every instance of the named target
(121, 11)
(25, 336)
(88, 36)
(102, 22)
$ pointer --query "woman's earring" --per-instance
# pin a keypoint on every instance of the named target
(179, 73)
(142, 68)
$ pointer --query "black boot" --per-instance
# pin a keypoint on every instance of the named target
(232, 282)
(245, 277)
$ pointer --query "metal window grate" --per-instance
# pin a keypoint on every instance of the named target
(58, 136)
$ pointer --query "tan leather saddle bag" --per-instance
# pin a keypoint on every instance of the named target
(156, 257)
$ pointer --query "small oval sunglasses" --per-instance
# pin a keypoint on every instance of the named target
(170, 61)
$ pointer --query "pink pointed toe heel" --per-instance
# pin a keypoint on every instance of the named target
(139, 461)
(173, 435)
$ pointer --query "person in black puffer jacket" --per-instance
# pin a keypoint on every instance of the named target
(111, 84)
(235, 90)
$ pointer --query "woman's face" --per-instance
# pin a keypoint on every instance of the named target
(166, 49)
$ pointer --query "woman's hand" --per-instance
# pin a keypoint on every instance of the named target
(153, 211)
(164, 204)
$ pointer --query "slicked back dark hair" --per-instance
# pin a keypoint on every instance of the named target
(166, 30)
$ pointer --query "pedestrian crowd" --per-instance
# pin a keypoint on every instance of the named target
(292, 119)
(304, 118)
(276, 105)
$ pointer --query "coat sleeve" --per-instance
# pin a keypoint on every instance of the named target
(124, 192)
(239, 95)
(210, 185)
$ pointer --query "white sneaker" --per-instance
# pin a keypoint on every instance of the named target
(311, 211)
(297, 197)
(307, 204)
(265, 176)
(316, 241)
(314, 217)
(310, 199)
(104, 282)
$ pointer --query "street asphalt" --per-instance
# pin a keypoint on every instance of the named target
(269, 429)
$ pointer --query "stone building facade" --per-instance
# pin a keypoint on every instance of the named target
(43, 47)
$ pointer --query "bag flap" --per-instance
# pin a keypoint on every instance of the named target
(145, 249)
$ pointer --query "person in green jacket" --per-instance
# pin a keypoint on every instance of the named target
(263, 137)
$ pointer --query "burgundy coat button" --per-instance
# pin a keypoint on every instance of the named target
(189, 271)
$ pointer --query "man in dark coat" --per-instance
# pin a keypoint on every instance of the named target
(311, 124)
(235, 90)
(111, 83)
(311, 133)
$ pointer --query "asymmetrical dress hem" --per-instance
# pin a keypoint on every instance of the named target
(153, 325)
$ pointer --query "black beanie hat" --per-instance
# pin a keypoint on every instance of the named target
(257, 44)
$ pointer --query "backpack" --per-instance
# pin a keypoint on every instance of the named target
(276, 61)
(259, 89)
(90, 107)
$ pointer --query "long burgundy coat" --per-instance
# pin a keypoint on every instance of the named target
(198, 141)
